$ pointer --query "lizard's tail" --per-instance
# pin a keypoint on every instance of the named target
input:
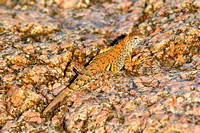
(58, 98)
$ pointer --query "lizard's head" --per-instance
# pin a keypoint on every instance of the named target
(134, 38)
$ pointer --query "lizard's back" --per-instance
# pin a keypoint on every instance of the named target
(107, 61)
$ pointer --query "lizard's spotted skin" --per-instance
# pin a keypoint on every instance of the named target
(112, 59)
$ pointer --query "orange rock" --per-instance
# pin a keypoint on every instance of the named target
(33, 117)
(9, 77)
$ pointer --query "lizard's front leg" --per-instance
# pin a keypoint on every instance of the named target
(127, 63)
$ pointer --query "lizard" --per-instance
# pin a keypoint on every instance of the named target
(112, 59)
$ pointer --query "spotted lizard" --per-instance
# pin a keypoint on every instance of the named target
(112, 60)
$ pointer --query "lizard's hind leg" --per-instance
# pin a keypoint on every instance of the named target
(80, 68)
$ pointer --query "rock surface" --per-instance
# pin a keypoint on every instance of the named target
(158, 91)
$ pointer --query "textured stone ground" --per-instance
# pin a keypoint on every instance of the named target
(158, 91)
